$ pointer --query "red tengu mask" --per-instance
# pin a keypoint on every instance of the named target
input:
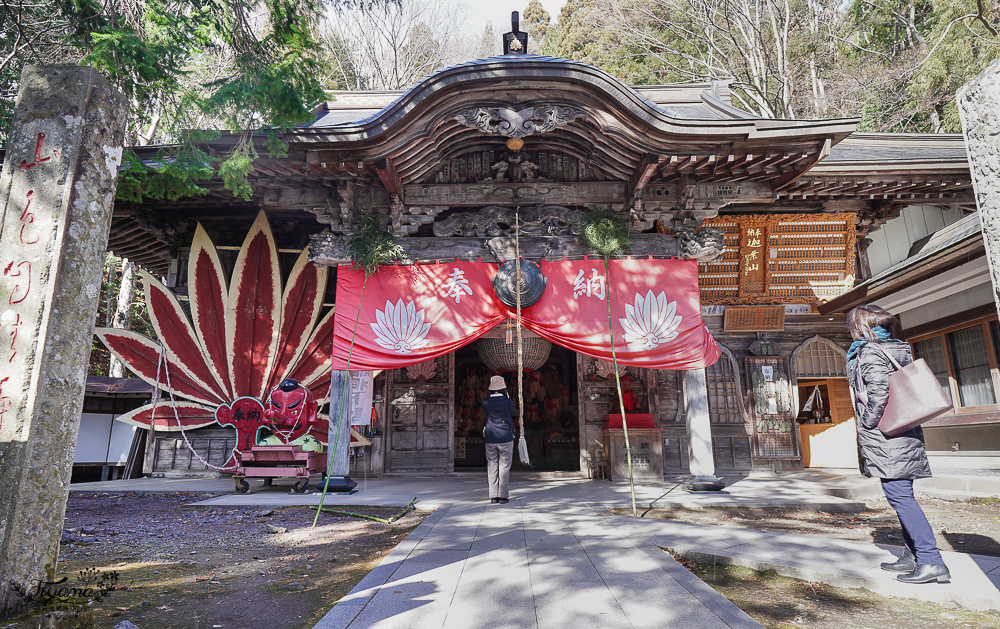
(291, 409)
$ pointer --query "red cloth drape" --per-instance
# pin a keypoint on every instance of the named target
(655, 310)
(414, 313)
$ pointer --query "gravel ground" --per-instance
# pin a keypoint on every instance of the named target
(783, 603)
(192, 567)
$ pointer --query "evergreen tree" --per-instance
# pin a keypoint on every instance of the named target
(536, 22)
(239, 65)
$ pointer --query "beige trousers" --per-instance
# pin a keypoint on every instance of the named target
(498, 459)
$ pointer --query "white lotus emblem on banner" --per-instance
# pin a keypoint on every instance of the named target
(651, 321)
(400, 328)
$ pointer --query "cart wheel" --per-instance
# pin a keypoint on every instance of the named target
(267, 481)
(242, 486)
(300, 486)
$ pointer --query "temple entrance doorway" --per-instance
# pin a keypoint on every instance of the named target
(551, 407)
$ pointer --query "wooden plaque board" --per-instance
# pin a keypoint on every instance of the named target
(754, 319)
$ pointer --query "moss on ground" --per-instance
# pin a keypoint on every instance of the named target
(780, 602)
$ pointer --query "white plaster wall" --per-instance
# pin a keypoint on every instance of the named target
(891, 244)
(102, 439)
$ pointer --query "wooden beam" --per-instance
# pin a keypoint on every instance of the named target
(390, 178)
(648, 164)
(926, 269)
(783, 182)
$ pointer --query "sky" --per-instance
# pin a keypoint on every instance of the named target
(479, 12)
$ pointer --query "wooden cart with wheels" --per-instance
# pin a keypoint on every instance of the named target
(270, 462)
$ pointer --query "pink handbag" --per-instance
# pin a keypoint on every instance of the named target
(915, 396)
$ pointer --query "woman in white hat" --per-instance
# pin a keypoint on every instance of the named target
(499, 434)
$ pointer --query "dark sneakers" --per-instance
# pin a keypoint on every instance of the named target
(494, 500)
(906, 563)
(503, 501)
(926, 573)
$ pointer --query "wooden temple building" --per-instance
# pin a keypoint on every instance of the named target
(780, 214)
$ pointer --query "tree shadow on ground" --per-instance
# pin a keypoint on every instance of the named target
(975, 543)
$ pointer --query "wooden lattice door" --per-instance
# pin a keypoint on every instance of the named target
(772, 408)
(421, 411)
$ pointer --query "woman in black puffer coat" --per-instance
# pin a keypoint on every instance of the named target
(897, 461)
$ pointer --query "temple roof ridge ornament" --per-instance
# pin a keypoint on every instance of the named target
(517, 124)
(515, 42)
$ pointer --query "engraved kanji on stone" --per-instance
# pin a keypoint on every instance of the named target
(27, 219)
(22, 287)
(6, 402)
(24, 165)
(14, 324)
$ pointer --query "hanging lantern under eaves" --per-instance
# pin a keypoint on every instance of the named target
(499, 355)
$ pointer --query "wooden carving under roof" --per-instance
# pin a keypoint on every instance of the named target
(800, 258)
(496, 164)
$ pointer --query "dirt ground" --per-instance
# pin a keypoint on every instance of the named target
(782, 603)
(189, 567)
(180, 566)
(966, 527)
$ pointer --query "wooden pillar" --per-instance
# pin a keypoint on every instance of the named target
(338, 462)
(977, 105)
(57, 191)
(699, 432)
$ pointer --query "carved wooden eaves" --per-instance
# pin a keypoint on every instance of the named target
(517, 124)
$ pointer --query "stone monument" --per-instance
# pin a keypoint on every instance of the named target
(977, 106)
(56, 192)
(699, 431)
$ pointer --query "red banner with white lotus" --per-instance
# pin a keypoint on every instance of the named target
(411, 314)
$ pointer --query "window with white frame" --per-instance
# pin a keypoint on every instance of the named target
(964, 359)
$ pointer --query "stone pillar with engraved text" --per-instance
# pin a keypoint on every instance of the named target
(57, 191)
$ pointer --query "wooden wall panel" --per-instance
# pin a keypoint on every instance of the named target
(842, 407)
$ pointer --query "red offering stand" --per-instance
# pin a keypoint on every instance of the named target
(637, 421)
(284, 461)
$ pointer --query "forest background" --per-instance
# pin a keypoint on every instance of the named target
(259, 67)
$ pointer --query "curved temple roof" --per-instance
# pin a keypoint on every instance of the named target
(651, 103)
(614, 127)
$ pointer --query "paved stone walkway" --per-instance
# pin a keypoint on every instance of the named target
(786, 491)
(975, 582)
(524, 565)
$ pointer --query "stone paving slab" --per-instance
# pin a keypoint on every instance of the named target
(348, 608)
(810, 489)
(495, 589)
(768, 490)
(514, 566)
(975, 580)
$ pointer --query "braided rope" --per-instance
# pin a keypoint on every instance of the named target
(173, 405)
(522, 452)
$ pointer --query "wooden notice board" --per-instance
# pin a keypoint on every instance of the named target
(780, 258)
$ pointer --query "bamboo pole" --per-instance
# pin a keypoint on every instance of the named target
(618, 386)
